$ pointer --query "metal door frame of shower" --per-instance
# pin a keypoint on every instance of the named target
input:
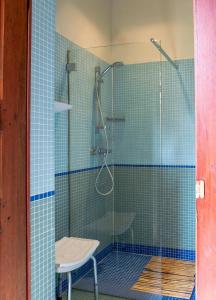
(15, 44)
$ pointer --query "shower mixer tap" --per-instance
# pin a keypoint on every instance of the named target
(100, 151)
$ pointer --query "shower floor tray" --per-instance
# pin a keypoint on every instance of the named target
(117, 274)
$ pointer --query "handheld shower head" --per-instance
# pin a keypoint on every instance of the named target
(115, 64)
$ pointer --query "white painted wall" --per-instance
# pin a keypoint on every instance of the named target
(128, 25)
(87, 23)
(170, 21)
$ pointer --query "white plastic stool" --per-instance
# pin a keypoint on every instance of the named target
(71, 254)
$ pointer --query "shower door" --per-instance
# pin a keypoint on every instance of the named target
(137, 147)
(151, 133)
(177, 174)
(154, 153)
(154, 158)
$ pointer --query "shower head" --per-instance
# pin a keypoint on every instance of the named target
(115, 64)
(163, 52)
(118, 64)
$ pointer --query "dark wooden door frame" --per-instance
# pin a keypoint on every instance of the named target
(205, 66)
(14, 149)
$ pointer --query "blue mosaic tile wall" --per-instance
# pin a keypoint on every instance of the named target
(154, 154)
(42, 151)
(154, 199)
(153, 150)
(87, 207)
(153, 208)
(161, 200)
(83, 114)
(150, 126)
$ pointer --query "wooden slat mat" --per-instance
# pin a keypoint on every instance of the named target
(167, 277)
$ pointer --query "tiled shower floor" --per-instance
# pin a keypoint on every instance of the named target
(116, 275)
(83, 295)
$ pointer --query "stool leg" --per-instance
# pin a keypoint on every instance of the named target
(69, 285)
(95, 278)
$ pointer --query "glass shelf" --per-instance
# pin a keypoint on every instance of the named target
(61, 106)
(115, 119)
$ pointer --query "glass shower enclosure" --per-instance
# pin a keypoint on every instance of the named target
(134, 193)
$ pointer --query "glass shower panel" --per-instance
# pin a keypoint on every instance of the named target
(79, 210)
(136, 94)
(152, 137)
(148, 112)
(178, 159)
(135, 136)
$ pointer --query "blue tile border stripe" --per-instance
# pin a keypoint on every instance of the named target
(62, 174)
(128, 166)
(157, 251)
(76, 171)
(193, 296)
(155, 166)
(42, 196)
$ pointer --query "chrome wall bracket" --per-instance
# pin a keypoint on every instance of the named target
(71, 67)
